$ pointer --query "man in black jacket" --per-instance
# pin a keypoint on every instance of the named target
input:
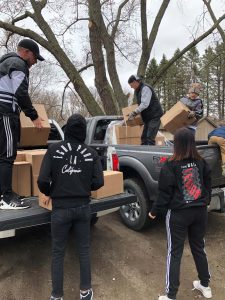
(148, 106)
(69, 171)
(14, 97)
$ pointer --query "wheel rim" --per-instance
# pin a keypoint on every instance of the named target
(131, 211)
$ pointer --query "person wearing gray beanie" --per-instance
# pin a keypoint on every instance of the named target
(195, 104)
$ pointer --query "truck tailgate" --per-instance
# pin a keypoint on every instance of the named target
(36, 215)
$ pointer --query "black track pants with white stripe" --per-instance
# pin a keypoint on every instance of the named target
(189, 222)
(9, 137)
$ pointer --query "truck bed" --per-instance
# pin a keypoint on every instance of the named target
(36, 215)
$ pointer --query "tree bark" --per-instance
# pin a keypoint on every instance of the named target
(147, 43)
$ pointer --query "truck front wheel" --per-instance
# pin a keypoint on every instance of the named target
(135, 215)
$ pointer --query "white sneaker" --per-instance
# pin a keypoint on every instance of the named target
(165, 298)
(206, 291)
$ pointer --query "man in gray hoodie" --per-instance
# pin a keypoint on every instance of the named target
(14, 97)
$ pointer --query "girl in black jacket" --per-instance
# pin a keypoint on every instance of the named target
(185, 191)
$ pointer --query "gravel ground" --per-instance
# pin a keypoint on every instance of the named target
(126, 265)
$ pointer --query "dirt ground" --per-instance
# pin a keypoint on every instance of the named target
(126, 265)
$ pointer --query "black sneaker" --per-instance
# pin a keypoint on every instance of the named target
(12, 201)
(56, 298)
(88, 295)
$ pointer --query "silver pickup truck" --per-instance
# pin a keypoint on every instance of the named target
(141, 166)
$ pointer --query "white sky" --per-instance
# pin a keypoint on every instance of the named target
(177, 28)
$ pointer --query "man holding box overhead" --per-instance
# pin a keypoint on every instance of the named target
(14, 97)
(148, 106)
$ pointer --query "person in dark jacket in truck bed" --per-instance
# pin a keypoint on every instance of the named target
(148, 106)
(69, 171)
(14, 97)
(185, 191)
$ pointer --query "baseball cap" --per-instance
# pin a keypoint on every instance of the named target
(32, 46)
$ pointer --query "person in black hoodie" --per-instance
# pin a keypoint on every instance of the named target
(14, 97)
(69, 171)
(185, 191)
(148, 106)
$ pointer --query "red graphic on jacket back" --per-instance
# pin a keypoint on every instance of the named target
(191, 183)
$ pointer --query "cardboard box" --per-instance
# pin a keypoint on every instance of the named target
(128, 131)
(113, 185)
(129, 141)
(20, 156)
(30, 135)
(176, 117)
(21, 179)
(34, 157)
(160, 140)
(126, 111)
(42, 201)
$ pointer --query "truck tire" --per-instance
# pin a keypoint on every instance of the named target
(135, 215)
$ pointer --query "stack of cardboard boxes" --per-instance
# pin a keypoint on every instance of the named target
(131, 132)
(28, 162)
(26, 170)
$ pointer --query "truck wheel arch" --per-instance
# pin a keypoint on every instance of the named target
(133, 168)
(135, 215)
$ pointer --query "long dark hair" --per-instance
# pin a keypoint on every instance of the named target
(184, 145)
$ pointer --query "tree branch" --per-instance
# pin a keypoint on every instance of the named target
(22, 17)
(118, 18)
(221, 31)
(85, 68)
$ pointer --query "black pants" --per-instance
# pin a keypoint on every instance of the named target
(9, 137)
(62, 220)
(150, 131)
(179, 224)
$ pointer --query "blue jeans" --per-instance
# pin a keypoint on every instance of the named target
(62, 220)
(150, 131)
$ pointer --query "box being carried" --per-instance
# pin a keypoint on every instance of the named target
(176, 117)
(136, 121)
(30, 135)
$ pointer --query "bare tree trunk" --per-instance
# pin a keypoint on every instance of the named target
(108, 41)
(101, 81)
(147, 43)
